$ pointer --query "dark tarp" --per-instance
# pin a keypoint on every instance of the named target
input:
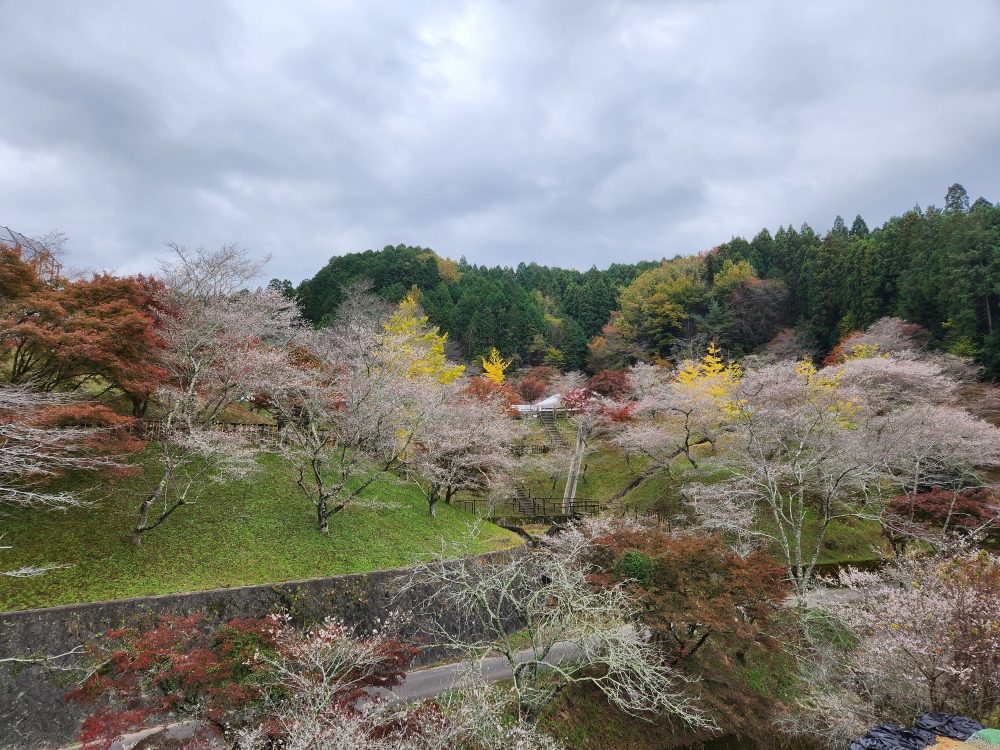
(946, 725)
(894, 737)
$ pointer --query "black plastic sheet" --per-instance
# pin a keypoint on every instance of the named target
(894, 737)
(946, 725)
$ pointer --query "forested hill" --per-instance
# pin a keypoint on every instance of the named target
(537, 313)
(939, 268)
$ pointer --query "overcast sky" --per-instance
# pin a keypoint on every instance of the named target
(569, 133)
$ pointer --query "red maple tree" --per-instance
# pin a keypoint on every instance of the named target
(62, 333)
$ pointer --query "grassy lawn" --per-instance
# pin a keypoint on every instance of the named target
(608, 472)
(605, 470)
(258, 531)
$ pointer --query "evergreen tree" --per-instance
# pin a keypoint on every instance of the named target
(859, 229)
(956, 200)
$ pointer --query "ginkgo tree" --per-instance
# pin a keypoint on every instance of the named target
(675, 412)
(416, 345)
(495, 367)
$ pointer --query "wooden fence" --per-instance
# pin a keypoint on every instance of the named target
(530, 508)
(543, 509)
(270, 434)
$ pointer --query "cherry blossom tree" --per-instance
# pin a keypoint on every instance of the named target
(346, 419)
(258, 676)
(593, 416)
(804, 452)
(46, 434)
(570, 631)
(811, 447)
(940, 448)
(359, 400)
(221, 346)
(927, 633)
(644, 379)
(677, 412)
(890, 382)
(474, 717)
(566, 382)
(896, 338)
(465, 444)
(314, 715)
(262, 683)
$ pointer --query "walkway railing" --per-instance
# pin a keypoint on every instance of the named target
(152, 429)
(524, 509)
(541, 508)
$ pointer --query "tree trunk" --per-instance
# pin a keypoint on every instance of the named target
(139, 406)
(323, 517)
(141, 521)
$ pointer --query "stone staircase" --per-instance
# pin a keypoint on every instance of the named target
(522, 500)
(548, 420)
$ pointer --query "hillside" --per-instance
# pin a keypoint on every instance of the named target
(625, 485)
(933, 267)
(257, 531)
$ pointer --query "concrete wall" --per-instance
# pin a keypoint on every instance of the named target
(33, 713)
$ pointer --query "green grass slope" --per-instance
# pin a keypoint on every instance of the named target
(608, 473)
(258, 531)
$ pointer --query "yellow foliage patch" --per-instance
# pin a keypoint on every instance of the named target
(421, 344)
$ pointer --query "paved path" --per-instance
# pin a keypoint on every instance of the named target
(417, 685)
(574, 472)
(429, 683)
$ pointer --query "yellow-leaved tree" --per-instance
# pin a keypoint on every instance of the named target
(824, 389)
(495, 367)
(710, 379)
(417, 345)
(677, 413)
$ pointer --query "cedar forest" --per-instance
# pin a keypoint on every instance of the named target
(939, 268)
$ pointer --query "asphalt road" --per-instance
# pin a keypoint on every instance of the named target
(417, 685)
(429, 683)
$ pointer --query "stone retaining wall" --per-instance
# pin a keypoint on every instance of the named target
(33, 713)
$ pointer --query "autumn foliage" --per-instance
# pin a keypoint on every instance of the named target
(610, 383)
(58, 335)
(535, 383)
(716, 615)
(966, 510)
(694, 588)
(485, 389)
(495, 367)
(227, 676)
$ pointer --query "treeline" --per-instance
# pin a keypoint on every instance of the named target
(796, 289)
(538, 314)
(939, 268)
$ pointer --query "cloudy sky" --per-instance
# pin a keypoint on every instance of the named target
(569, 133)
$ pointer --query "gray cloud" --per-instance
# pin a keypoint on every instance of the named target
(565, 132)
